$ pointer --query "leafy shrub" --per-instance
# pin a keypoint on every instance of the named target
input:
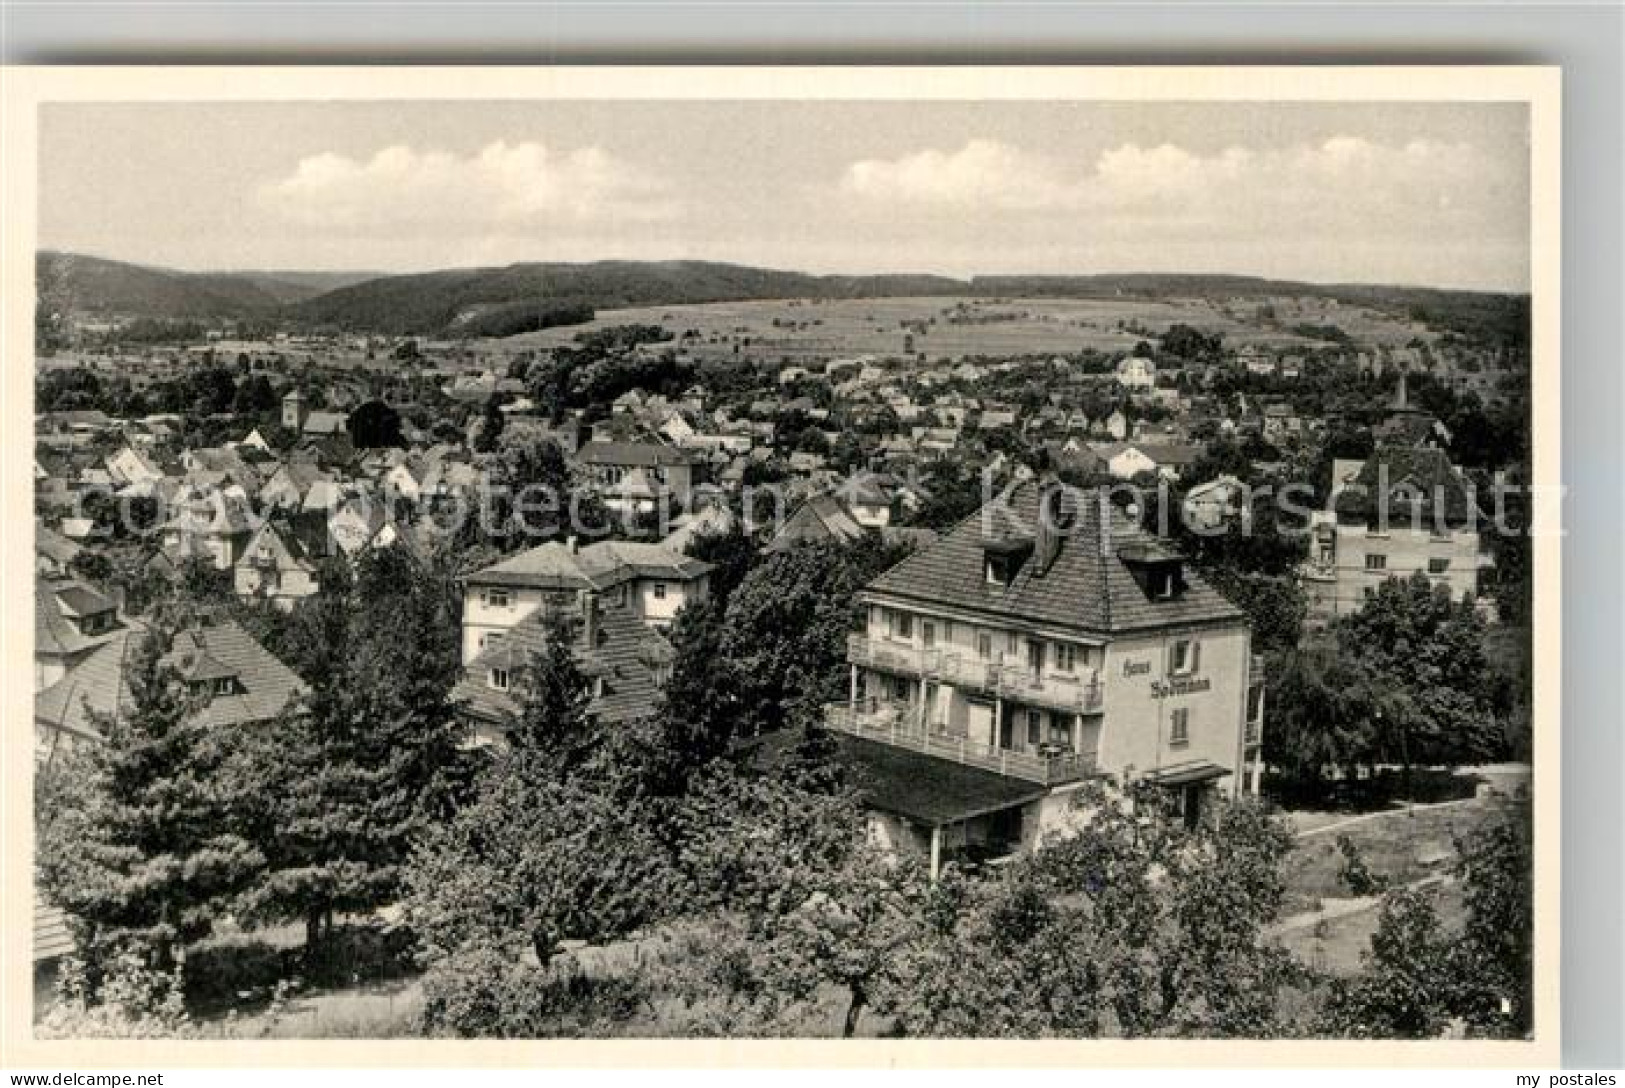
(1355, 873)
(224, 972)
(130, 1001)
(484, 993)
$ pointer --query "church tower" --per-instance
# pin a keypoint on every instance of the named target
(294, 412)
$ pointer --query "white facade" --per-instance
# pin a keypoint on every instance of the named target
(1137, 373)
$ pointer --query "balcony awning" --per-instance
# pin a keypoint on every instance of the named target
(1186, 774)
(928, 790)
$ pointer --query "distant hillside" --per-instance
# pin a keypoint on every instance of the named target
(455, 301)
(1484, 315)
(92, 286)
(500, 301)
(299, 285)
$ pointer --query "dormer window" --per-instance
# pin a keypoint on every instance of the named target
(1002, 560)
(215, 686)
(1158, 572)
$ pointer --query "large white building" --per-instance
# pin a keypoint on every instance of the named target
(1000, 668)
(1404, 510)
(650, 580)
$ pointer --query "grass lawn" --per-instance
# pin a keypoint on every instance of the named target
(364, 984)
(374, 1011)
(1337, 945)
(1403, 847)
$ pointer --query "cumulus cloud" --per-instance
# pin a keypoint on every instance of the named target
(1341, 184)
(503, 185)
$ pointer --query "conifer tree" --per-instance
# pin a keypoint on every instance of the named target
(555, 724)
(339, 790)
(141, 856)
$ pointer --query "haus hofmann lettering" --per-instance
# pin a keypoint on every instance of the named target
(1182, 685)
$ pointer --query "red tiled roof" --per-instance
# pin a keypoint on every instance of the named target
(624, 656)
(98, 685)
(55, 600)
(1421, 485)
(1088, 586)
(645, 454)
(596, 566)
(820, 518)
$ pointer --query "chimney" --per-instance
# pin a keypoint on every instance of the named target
(570, 544)
(1052, 525)
(589, 617)
(1105, 518)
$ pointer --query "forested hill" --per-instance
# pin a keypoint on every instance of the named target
(486, 300)
(93, 286)
(519, 297)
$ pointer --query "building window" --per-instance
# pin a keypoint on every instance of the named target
(1438, 565)
(1370, 592)
(225, 685)
(496, 598)
(1066, 657)
(984, 645)
(660, 591)
(905, 625)
(1035, 728)
(1182, 657)
(1013, 644)
(1376, 562)
(899, 689)
(1180, 731)
(928, 633)
(499, 679)
(493, 638)
(1060, 731)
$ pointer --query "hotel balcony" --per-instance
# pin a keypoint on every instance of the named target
(1080, 694)
(887, 722)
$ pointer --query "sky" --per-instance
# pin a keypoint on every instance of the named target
(1415, 193)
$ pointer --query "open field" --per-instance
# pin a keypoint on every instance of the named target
(1403, 847)
(1337, 944)
(800, 330)
(1324, 925)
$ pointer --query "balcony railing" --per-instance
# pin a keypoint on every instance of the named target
(894, 723)
(1084, 694)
